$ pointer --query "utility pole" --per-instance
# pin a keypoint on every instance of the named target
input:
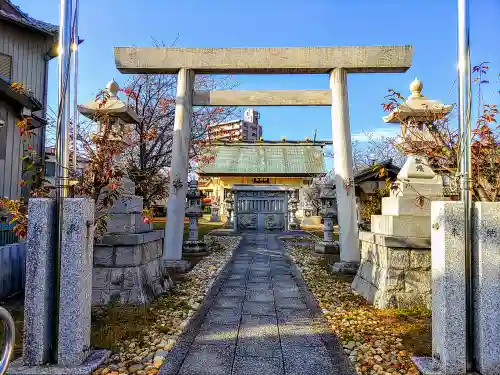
(464, 120)
(75, 46)
(62, 150)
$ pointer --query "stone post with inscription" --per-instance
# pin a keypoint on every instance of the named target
(74, 353)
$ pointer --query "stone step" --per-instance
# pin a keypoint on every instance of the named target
(432, 190)
(127, 204)
(403, 205)
(412, 226)
(126, 223)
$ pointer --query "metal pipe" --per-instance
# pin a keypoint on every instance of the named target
(75, 80)
(464, 108)
(10, 339)
(62, 150)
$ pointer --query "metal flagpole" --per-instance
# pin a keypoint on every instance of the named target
(75, 81)
(62, 150)
(464, 107)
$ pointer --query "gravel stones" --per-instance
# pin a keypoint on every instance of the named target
(144, 355)
(376, 341)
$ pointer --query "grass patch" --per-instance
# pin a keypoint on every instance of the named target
(115, 323)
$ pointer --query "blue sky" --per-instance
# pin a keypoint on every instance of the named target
(429, 25)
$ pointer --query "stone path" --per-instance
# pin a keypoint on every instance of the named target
(260, 319)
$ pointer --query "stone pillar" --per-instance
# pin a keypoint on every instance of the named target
(194, 245)
(39, 296)
(179, 168)
(344, 180)
(448, 291)
(76, 281)
(486, 258)
(73, 352)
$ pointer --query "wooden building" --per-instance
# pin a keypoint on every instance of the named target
(291, 164)
(26, 47)
(369, 189)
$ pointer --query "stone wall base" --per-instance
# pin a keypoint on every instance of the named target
(129, 273)
(395, 272)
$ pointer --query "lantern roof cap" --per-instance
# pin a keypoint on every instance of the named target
(417, 106)
(111, 106)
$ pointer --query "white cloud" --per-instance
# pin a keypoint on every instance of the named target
(376, 134)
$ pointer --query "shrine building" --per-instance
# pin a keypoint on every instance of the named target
(291, 165)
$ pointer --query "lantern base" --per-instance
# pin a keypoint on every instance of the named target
(327, 248)
(177, 266)
(347, 268)
(196, 247)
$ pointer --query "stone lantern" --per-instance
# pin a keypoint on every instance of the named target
(292, 207)
(229, 200)
(115, 119)
(194, 245)
(215, 211)
(412, 117)
(127, 231)
(403, 230)
(327, 197)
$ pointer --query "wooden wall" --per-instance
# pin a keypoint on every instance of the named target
(28, 50)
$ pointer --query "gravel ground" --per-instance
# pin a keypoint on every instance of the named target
(166, 317)
(377, 341)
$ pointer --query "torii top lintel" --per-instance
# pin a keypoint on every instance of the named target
(288, 60)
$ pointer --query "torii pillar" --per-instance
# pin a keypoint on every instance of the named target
(335, 61)
(344, 180)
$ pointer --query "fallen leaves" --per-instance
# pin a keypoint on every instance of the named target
(376, 341)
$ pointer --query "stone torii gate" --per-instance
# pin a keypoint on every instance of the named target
(335, 61)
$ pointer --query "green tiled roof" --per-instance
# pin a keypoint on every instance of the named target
(278, 159)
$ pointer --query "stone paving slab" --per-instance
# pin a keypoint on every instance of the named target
(257, 365)
(259, 295)
(227, 302)
(230, 291)
(217, 334)
(208, 360)
(224, 316)
(259, 308)
(258, 318)
(307, 361)
(259, 337)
